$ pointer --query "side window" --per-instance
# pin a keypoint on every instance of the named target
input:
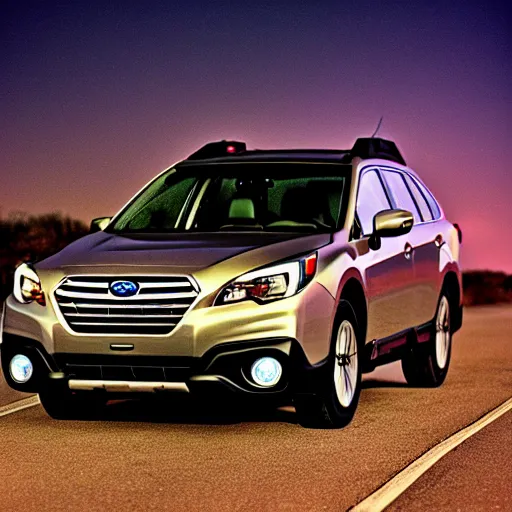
(403, 198)
(434, 207)
(371, 199)
(419, 198)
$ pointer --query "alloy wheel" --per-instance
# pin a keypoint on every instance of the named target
(443, 335)
(346, 363)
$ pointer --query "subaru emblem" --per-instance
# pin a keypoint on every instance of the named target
(124, 288)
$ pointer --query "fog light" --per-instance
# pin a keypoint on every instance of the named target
(21, 368)
(266, 371)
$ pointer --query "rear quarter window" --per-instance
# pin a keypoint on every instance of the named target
(420, 199)
(432, 202)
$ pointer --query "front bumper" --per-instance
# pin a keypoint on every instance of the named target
(225, 368)
(306, 317)
(211, 347)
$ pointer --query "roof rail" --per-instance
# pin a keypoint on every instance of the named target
(363, 148)
(340, 152)
(377, 148)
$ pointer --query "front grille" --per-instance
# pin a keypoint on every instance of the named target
(88, 306)
(130, 368)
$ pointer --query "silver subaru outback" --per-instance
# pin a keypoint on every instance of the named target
(278, 275)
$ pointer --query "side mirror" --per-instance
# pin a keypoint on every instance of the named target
(390, 223)
(99, 224)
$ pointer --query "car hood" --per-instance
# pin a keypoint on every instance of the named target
(180, 252)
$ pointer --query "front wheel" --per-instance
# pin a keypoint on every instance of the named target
(426, 365)
(65, 405)
(334, 403)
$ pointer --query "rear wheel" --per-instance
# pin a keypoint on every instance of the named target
(334, 403)
(65, 405)
(426, 365)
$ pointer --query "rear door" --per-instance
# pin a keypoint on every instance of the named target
(428, 240)
(388, 270)
(422, 244)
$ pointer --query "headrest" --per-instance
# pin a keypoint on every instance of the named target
(241, 208)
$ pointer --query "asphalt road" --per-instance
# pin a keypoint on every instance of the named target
(478, 473)
(139, 460)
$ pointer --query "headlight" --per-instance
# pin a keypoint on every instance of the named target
(27, 286)
(270, 283)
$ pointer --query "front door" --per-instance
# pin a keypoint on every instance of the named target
(389, 270)
(424, 242)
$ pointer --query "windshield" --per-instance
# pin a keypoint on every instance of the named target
(239, 197)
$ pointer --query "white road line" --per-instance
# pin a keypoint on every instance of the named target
(19, 405)
(390, 491)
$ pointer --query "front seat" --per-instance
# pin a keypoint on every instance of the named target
(295, 211)
(241, 215)
(324, 200)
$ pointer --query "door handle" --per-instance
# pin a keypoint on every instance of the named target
(439, 240)
(408, 251)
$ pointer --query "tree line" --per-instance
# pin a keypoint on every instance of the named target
(486, 287)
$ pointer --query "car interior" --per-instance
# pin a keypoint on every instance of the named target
(238, 204)
(275, 205)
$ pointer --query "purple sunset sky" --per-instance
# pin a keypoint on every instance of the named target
(98, 97)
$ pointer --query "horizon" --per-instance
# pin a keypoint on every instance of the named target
(86, 223)
(99, 99)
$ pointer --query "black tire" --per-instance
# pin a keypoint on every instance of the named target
(322, 408)
(422, 365)
(65, 405)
